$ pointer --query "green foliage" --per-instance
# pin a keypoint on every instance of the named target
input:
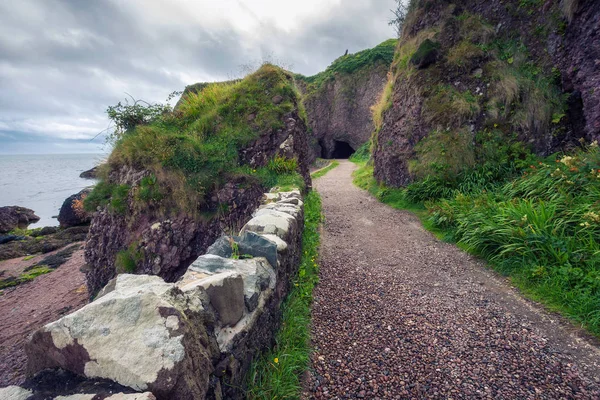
(25, 277)
(126, 116)
(195, 149)
(351, 63)
(282, 165)
(100, 196)
(324, 171)
(277, 374)
(446, 107)
(126, 260)
(149, 189)
(362, 154)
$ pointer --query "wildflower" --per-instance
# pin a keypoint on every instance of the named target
(585, 224)
(524, 219)
(570, 182)
(592, 216)
(568, 161)
(276, 360)
(594, 143)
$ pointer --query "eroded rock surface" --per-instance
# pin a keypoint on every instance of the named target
(191, 339)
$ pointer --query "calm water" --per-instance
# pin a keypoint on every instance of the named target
(43, 182)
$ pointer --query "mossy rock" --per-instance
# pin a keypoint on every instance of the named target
(427, 54)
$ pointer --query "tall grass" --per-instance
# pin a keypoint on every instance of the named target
(538, 224)
(277, 373)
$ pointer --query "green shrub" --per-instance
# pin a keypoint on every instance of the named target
(126, 260)
(282, 165)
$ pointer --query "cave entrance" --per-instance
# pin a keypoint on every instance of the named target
(341, 150)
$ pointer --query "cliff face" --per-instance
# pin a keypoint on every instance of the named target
(338, 101)
(476, 75)
(173, 187)
(341, 110)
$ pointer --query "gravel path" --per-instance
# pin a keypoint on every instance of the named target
(399, 314)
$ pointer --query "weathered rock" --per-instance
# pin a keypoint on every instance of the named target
(90, 173)
(340, 110)
(10, 238)
(145, 334)
(12, 217)
(42, 244)
(14, 393)
(249, 244)
(72, 212)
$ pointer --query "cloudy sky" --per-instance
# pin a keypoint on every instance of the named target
(62, 62)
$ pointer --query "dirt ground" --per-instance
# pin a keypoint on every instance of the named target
(27, 307)
(400, 314)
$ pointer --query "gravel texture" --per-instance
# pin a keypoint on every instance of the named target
(399, 314)
(29, 306)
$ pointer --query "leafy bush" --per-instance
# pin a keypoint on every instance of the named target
(126, 260)
(282, 165)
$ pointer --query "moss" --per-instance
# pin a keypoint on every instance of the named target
(448, 107)
(25, 277)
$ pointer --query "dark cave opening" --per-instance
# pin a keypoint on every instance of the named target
(342, 150)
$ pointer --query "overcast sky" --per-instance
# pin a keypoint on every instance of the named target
(62, 62)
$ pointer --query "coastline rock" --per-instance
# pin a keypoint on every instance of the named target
(12, 217)
(146, 334)
(90, 173)
(72, 212)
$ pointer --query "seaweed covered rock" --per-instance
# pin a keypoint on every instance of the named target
(12, 217)
(72, 212)
(176, 184)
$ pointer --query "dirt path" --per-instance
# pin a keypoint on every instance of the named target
(29, 306)
(399, 314)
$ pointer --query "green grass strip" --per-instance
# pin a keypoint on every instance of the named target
(277, 374)
(325, 170)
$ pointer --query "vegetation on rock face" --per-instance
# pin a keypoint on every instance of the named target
(350, 63)
(481, 172)
(277, 374)
(188, 153)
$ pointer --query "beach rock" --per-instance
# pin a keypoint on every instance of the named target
(90, 173)
(10, 238)
(14, 393)
(12, 217)
(72, 212)
(146, 334)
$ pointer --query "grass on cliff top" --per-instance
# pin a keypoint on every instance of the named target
(539, 225)
(277, 374)
(348, 64)
(195, 149)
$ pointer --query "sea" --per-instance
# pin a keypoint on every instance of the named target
(43, 182)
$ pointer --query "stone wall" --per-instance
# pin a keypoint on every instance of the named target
(191, 339)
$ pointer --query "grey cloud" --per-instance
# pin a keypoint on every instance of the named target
(63, 62)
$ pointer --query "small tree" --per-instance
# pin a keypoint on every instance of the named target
(399, 18)
(132, 112)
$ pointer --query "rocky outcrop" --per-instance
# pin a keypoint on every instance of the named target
(43, 241)
(12, 217)
(340, 111)
(191, 339)
(90, 173)
(72, 212)
(165, 244)
(467, 88)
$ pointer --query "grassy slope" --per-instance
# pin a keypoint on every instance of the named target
(348, 64)
(195, 149)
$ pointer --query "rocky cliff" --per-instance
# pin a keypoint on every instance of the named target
(172, 187)
(476, 80)
(338, 100)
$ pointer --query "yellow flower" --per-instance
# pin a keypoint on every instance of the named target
(276, 360)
